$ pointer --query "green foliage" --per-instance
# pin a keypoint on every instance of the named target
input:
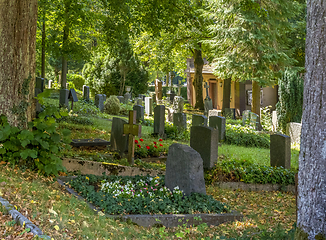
(77, 80)
(75, 119)
(266, 118)
(38, 147)
(125, 108)
(290, 92)
(112, 105)
(183, 92)
(84, 107)
(176, 134)
(142, 195)
(149, 149)
(248, 172)
(246, 136)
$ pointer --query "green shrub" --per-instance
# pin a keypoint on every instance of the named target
(266, 118)
(112, 105)
(86, 108)
(77, 80)
(175, 134)
(76, 120)
(125, 108)
(248, 172)
(246, 136)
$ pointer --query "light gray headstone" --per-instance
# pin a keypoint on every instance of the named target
(274, 121)
(229, 113)
(140, 112)
(293, 130)
(119, 142)
(180, 120)
(255, 121)
(50, 84)
(214, 112)
(205, 141)
(219, 123)
(245, 117)
(184, 169)
(64, 100)
(104, 97)
(208, 105)
(170, 115)
(178, 103)
(159, 120)
(99, 102)
(280, 151)
(199, 120)
(121, 99)
(127, 97)
(149, 106)
(86, 93)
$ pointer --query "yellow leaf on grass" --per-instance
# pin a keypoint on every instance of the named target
(52, 211)
(56, 227)
(101, 214)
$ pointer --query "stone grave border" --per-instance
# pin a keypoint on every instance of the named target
(167, 220)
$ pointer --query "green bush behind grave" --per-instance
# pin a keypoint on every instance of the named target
(246, 136)
(119, 204)
(248, 172)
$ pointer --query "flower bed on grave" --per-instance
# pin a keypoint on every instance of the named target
(142, 195)
(153, 149)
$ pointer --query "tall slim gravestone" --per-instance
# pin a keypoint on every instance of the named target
(219, 123)
(149, 106)
(140, 113)
(280, 150)
(180, 120)
(199, 120)
(119, 142)
(50, 84)
(86, 93)
(184, 169)
(159, 120)
(99, 101)
(205, 141)
(208, 104)
(293, 130)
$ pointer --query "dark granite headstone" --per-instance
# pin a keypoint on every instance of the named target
(199, 120)
(184, 169)
(205, 141)
(118, 141)
(72, 95)
(218, 122)
(99, 102)
(229, 113)
(159, 120)
(140, 113)
(280, 151)
(86, 93)
(39, 83)
(64, 100)
(121, 99)
(180, 120)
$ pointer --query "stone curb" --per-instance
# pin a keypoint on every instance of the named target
(22, 220)
(168, 220)
(255, 186)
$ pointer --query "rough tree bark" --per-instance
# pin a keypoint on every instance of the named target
(18, 19)
(255, 104)
(198, 77)
(311, 218)
(226, 94)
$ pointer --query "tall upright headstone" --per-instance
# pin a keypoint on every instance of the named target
(293, 130)
(205, 141)
(159, 120)
(127, 97)
(219, 123)
(138, 101)
(199, 120)
(86, 93)
(280, 150)
(119, 142)
(184, 169)
(149, 106)
(139, 113)
(64, 100)
(178, 104)
(180, 120)
(229, 113)
(50, 84)
(208, 104)
(99, 101)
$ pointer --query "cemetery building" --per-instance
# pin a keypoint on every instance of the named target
(241, 92)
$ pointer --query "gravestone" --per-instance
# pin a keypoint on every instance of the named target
(255, 121)
(170, 115)
(280, 151)
(184, 169)
(86, 93)
(104, 97)
(178, 104)
(118, 141)
(245, 117)
(205, 141)
(229, 113)
(208, 105)
(99, 101)
(64, 100)
(72, 97)
(121, 99)
(127, 97)
(138, 101)
(38, 107)
(39, 88)
(172, 96)
(180, 120)
(214, 112)
(149, 106)
(274, 121)
(159, 120)
(219, 123)
(199, 120)
(139, 113)
(50, 84)
(293, 130)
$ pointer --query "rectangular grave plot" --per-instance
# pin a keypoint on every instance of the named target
(89, 142)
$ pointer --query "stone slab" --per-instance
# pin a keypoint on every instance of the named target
(219, 123)
(280, 150)
(199, 120)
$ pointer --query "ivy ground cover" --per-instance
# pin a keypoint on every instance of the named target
(142, 195)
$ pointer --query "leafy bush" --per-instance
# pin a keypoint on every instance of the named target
(266, 118)
(142, 195)
(143, 150)
(125, 108)
(176, 134)
(86, 108)
(234, 121)
(246, 136)
(248, 172)
(77, 80)
(39, 146)
(112, 105)
(74, 118)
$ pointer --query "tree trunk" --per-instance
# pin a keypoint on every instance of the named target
(255, 103)
(66, 30)
(198, 78)
(43, 49)
(18, 19)
(311, 218)
(226, 94)
(167, 79)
